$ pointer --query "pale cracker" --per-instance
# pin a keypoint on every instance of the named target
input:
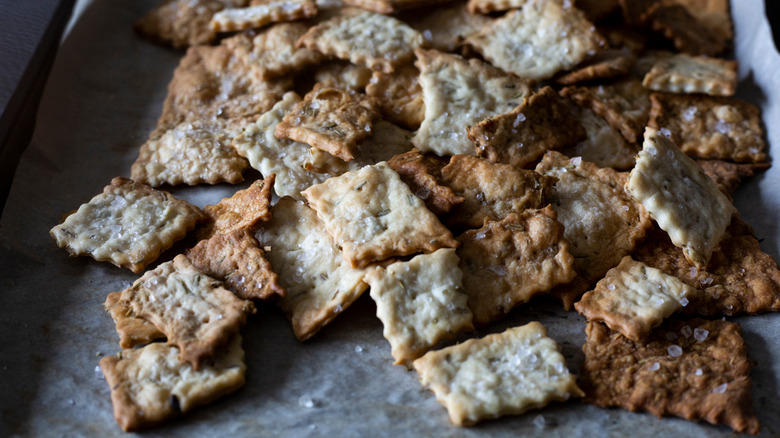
(372, 215)
(446, 29)
(131, 329)
(343, 75)
(377, 41)
(129, 225)
(681, 73)
(182, 23)
(196, 314)
(399, 95)
(422, 173)
(320, 284)
(506, 263)
(392, 6)
(680, 197)
(150, 385)
(488, 6)
(539, 40)
(633, 298)
(420, 303)
(242, 210)
(272, 11)
(501, 374)
(458, 93)
(605, 146)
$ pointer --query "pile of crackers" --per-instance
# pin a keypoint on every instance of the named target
(456, 160)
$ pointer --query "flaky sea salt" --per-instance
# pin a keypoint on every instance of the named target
(686, 331)
(358, 349)
(665, 132)
(700, 334)
(674, 350)
(698, 372)
(540, 422)
(720, 389)
(654, 367)
(684, 302)
(611, 286)
(306, 402)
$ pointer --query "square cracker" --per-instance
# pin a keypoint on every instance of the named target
(539, 40)
(196, 314)
(704, 380)
(447, 27)
(506, 263)
(320, 284)
(377, 41)
(399, 95)
(129, 225)
(420, 303)
(633, 298)
(684, 201)
(492, 190)
(236, 259)
(422, 173)
(710, 127)
(372, 215)
(150, 385)
(330, 119)
(242, 210)
(520, 137)
(604, 145)
(459, 93)
(131, 329)
(501, 374)
(183, 23)
(681, 73)
(272, 11)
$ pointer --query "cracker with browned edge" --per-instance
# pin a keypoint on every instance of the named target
(604, 145)
(420, 303)
(501, 374)
(685, 74)
(458, 93)
(688, 34)
(597, 10)
(263, 14)
(506, 263)
(343, 75)
(728, 176)
(492, 190)
(695, 369)
(605, 64)
(399, 95)
(489, 6)
(129, 225)
(150, 385)
(392, 6)
(197, 315)
(372, 215)
(242, 210)
(131, 329)
(422, 173)
(183, 23)
(447, 27)
(235, 258)
(520, 137)
(715, 15)
(710, 127)
(320, 283)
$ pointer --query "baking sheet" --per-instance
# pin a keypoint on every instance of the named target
(104, 96)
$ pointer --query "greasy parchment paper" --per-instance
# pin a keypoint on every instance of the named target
(103, 98)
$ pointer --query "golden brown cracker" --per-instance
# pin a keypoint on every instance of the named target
(182, 23)
(446, 27)
(604, 145)
(131, 329)
(263, 14)
(688, 34)
(392, 6)
(489, 6)
(605, 64)
(681, 73)
(343, 75)
(242, 210)
(728, 176)
(399, 95)
(422, 173)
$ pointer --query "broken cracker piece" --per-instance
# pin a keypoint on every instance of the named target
(343, 75)
(689, 35)
(446, 28)
(132, 330)
(182, 23)
(399, 95)
(271, 11)
(242, 210)
(605, 64)
(728, 176)
(681, 73)
(604, 145)
(422, 173)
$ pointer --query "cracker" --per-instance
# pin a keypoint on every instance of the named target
(711, 127)
(183, 23)
(343, 75)
(422, 173)
(688, 34)
(272, 11)
(682, 73)
(680, 197)
(131, 329)
(235, 258)
(597, 10)
(399, 95)
(196, 314)
(635, 11)
(391, 6)
(420, 303)
(669, 373)
(539, 40)
(489, 6)
(330, 119)
(624, 104)
(506, 263)
(150, 385)
(320, 284)
(129, 225)
(242, 210)
(713, 14)
(459, 93)
(520, 137)
(604, 146)
(492, 190)
(377, 41)
(605, 64)
(728, 176)
(372, 215)
(447, 27)
(501, 374)
(633, 298)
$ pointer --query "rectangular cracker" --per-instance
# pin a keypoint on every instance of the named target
(520, 137)
(459, 93)
(399, 95)
(242, 210)
(131, 329)
(506, 263)
(711, 127)
(422, 173)
(680, 197)
(272, 11)
(182, 23)
(320, 284)
(129, 225)
(150, 385)
(420, 303)
(447, 27)
(372, 215)
(681, 73)
(505, 373)
(604, 145)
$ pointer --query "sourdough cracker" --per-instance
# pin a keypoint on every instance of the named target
(447, 27)
(681, 73)
(271, 11)
(399, 95)
(728, 176)
(422, 173)
(343, 75)
(131, 329)
(605, 64)
(604, 145)
(688, 34)
(183, 23)
(242, 210)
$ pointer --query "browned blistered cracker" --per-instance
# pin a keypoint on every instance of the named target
(183, 23)
(422, 173)
(343, 75)
(330, 119)
(604, 146)
(372, 215)
(446, 27)
(681, 73)
(271, 11)
(129, 225)
(458, 93)
(399, 95)
(688, 34)
(150, 385)
(492, 190)
(377, 41)
(603, 65)
(728, 176)
(710, 127)
(624, 104)
(235, 258)
(242, 210)
(488, 6)
(520, 137)
(392, 6)
(695, 369)
(506, 263)
(539, 40)
(131, 329)
(197, 315)
(713, 14)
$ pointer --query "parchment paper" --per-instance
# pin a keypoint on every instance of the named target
(104, 96)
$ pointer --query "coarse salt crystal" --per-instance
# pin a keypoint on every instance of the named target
(611, 286)
(698, 372)
(498, 269)
(700, 334)
(576, 161)
(684, 302)
(99, 373)
(654, 367)
(540, 422)
(693, 271)
(686, 331)
(720, 389)
(674, 350)
(306, 402)
(358, 349)
(665, 132)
